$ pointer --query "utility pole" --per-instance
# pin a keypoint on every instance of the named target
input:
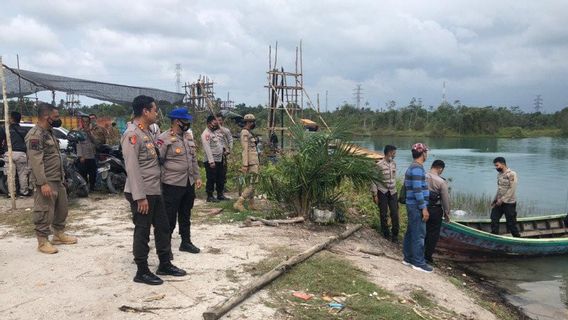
(358, 94)
(326, 100)
(178, 77)
(538, 103)
(444, 101)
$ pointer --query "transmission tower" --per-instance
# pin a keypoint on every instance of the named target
(178, 77)
(358, 95)
(538, 103)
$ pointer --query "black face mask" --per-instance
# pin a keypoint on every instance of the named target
(215, 127)
(252, 126)
(54, 123)
(499, 169)
(184, 126)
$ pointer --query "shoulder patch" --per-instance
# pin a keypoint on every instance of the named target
(34, 144)
(132, 139)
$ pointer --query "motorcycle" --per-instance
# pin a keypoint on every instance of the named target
(4, 178)
(76, 185)
(110, 168)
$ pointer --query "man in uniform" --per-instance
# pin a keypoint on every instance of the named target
(505, 201)
(99, 133)
(143, 192)
(86, 150)
(17, 137)
(50, 199)
(227, 139)
(384, 194)
(213, 148)
(438, 207)
(113, 134)
(250, 162)
(180, 175)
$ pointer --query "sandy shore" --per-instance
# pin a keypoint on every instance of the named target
(93, 279)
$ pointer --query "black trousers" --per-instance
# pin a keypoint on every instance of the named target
(388, 202)
(179, 202)
(215, 178)
(88, 170)
(225, 168)
(433, 226)
(156, 217)
(510, 212)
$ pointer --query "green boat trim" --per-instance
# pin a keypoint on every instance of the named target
(504, 239)
(522, 219)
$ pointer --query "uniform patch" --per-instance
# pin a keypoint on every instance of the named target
(34, 144)
(132, 139)
(178, 150)
(159, 142)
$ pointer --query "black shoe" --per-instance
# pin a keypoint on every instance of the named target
(211, 199)
(189, 247)
(394, 239)
(222, 197)
(168, 269)
(148, 278)
(430, 261)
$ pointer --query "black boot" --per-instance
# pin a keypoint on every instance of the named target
(187, 246)
(147, 277)
(211, 198)
(222, 197)
(168, 269)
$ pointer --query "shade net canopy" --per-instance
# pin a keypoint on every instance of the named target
(32, 82)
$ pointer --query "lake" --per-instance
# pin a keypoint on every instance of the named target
(540, 163)
(540, 285)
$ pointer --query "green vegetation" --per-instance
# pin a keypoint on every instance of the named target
(312, 174)
(327, 277)
(481, 204)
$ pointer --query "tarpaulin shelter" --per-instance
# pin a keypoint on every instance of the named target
(24, 82)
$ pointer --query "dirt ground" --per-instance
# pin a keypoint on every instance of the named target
(93, 278)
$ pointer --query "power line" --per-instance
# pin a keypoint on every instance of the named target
(538, 103)
(358, 95)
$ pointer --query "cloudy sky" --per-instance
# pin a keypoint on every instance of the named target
(488, 52)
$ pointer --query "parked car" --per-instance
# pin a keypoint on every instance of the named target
(60, 133)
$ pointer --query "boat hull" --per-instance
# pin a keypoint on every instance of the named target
(464, 243)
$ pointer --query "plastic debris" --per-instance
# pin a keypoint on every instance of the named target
(335, 305)
(302, 295)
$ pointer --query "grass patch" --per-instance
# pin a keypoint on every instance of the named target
(230, 215)
(422, 298)
(278, 254)
(480, 205)
(20, 222)
(326, 275)
(232, 275)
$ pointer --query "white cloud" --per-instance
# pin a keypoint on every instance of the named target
(396, 49)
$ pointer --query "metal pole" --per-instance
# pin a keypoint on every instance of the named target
(11, 175)
(20, 97)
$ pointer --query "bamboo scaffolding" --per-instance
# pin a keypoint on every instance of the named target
(11, 175)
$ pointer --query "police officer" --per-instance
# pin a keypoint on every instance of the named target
(385, 195)
(50, 199)
(438, 207)
(505, 201)
(99, 133)
(227, 139)
(250, 162)
(213, 148)
(180, 175)
(17, 137)
(143, 192)
(86, 150)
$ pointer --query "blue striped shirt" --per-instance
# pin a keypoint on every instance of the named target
(416, 187)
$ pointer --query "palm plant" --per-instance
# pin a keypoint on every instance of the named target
(311, 174)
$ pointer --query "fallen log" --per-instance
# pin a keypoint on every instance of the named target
(286, 221)
(223, 307)
(376, 253)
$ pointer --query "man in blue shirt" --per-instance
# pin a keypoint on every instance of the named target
(416, 208)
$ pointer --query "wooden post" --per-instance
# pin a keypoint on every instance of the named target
(11, 175)
(220, 309)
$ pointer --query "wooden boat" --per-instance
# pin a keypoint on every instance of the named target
(529, 227)
(460, 242)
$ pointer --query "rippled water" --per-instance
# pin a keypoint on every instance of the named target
(541, 165)
(538, 285)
